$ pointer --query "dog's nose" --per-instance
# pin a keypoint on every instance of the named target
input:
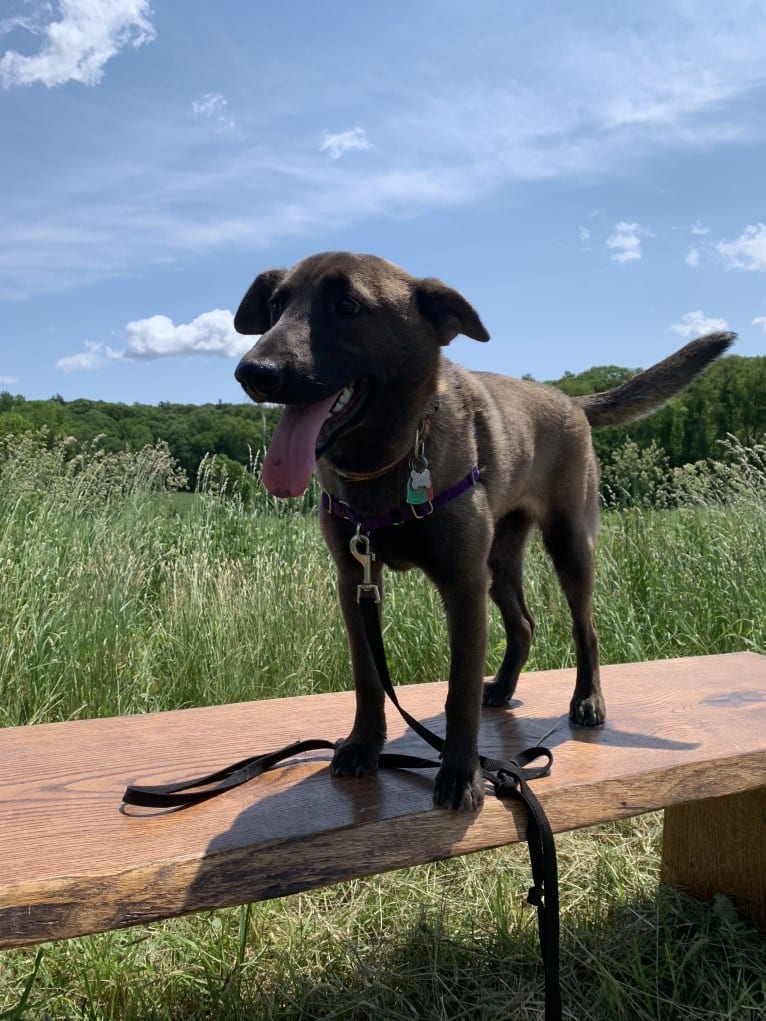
(260, 377)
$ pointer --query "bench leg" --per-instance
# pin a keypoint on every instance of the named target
(718, 845)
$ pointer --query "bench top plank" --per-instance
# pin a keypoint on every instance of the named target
(72, 862)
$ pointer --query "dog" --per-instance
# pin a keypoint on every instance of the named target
(454, 468)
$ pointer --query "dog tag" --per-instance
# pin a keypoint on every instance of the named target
(420, 479)
(419, 486)
(416, 496)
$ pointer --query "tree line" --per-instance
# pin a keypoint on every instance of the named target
(729, 399)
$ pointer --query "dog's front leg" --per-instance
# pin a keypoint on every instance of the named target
(459, 783)
(358, 753)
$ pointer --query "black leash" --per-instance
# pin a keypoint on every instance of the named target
(509, 779)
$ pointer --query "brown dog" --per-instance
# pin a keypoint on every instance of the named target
(351, 344)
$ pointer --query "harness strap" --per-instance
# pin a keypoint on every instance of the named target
(404, 512)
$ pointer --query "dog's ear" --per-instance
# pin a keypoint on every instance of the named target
(253, 314)
(448, 311)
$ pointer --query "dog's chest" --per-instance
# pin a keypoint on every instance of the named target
(396, 562)
(404, 547)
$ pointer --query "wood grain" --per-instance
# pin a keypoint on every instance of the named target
(72, 862)
(719, 846)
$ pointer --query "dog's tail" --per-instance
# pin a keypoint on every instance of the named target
(650, 389)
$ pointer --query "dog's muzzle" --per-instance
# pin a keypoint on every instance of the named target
(261, 380)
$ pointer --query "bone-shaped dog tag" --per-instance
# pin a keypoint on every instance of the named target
(419, 486)
(420, 479)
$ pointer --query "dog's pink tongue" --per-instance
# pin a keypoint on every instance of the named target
(290, 458)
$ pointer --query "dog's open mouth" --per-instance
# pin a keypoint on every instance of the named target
(304, 433)
(343, 413)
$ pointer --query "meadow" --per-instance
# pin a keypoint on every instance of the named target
(122, 594)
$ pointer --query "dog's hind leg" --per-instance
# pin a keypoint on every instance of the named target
(506, 564)
(572, 548)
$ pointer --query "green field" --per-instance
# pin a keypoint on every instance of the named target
(122, 596)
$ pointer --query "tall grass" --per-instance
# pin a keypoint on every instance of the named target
(121, 595)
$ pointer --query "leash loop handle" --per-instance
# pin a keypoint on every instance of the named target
(192, 792)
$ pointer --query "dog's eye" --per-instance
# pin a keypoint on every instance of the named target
(348, 305)
(275, 307)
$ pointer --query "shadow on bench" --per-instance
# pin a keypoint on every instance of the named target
(73, 863)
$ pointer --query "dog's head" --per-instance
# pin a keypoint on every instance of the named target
(338, 334)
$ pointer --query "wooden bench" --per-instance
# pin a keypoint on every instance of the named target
(685, 735)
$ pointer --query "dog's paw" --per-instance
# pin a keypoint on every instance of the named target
(354, 758)
(588, 712)
(459, 789)
(496, 695)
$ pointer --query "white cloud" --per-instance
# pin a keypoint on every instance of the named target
(693, 258)
(93, 357)
(585, 235)
(9, 379)
(213, 107)
(79, 44)
(209, 105)
(699, 229)
(671, 82)
(760, 321)
(30, 21)
(748, 251)
(211, 334)
(626, 241)
(343, 141)
(696, 324)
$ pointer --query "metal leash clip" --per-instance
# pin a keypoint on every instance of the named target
(361, 550)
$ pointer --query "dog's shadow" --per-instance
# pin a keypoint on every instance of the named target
(306, 828)
(508, 730)
(298, 810)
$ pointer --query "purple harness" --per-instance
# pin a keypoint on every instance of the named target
(404, 512)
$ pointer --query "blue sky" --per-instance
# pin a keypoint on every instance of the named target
(592, 176)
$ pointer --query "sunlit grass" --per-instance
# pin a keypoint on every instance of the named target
(119, 598)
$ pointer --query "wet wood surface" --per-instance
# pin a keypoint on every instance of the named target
(72, 861)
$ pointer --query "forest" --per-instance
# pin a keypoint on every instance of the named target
(729, 399)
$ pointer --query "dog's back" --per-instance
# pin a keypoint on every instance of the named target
(531, 439)
(538, 439)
